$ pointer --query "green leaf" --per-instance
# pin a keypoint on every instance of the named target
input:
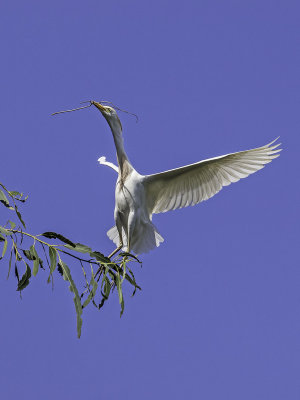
(73, 288)
(28, 255)
(93, 291)
(14, 193)
(100, 257)
(54, 235)
(131, 280)
(53, 259)
(20, 216)
(120, 293)
(12, 224)
(25, 279)
(124, 270)
(41, 263)
(9, 264)
(105, 271)
(107, 287)
(81, 248)
(3, 199)
(17, 195)
(36, 262)
(4, 249)
(17, 273)
(130, 255)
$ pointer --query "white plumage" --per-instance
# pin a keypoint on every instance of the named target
(139, 196)
(189, 185)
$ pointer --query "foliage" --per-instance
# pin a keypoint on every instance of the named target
(41, 255)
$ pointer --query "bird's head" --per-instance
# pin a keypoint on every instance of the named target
(109, 114)
(106, 111)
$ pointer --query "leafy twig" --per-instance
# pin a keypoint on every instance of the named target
(113, 273)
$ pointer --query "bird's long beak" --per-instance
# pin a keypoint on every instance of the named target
(98, 105)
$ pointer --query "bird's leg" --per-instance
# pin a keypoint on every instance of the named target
(128, 243)
(116, 250)
(119, 227)
(130, 228)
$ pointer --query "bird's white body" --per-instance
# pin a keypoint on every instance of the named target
(138, 196)
(132, 216)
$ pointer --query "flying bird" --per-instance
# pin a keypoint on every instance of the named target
(138, 196)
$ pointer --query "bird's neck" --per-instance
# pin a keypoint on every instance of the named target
(124, 164)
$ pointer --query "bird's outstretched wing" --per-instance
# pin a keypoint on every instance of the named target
(191, 184)
(102, 160)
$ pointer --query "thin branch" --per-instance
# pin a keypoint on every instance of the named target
(45, 254)
(33, 237)
(78, 258)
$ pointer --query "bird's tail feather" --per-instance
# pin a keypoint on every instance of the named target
(145, 237)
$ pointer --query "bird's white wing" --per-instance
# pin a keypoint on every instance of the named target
(194, 183)
(102, 160)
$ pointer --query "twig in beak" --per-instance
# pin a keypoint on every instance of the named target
(73, 109)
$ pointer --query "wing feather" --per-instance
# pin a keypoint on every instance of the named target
(197, 182)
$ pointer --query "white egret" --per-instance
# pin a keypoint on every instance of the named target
(138, 196)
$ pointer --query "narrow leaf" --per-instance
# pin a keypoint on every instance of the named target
(41, 263)
(130, 255)
(12, 224)
(124, 270)
(17, 196)
(100, 257)
(28, 255)
(107, 287)
(20, 216)
(1, 184)
(4, 248)
(17, 273)
(9, 264)
(131, 280)
(54, 235)
(36, 263)
(3, 199)
(25, 279)
(14, 193)
(81, 248)
(60, 270)
(121, 298)
(53, 259)
(93, 291)
(73, 288)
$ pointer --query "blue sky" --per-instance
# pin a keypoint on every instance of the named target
(218, 316)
